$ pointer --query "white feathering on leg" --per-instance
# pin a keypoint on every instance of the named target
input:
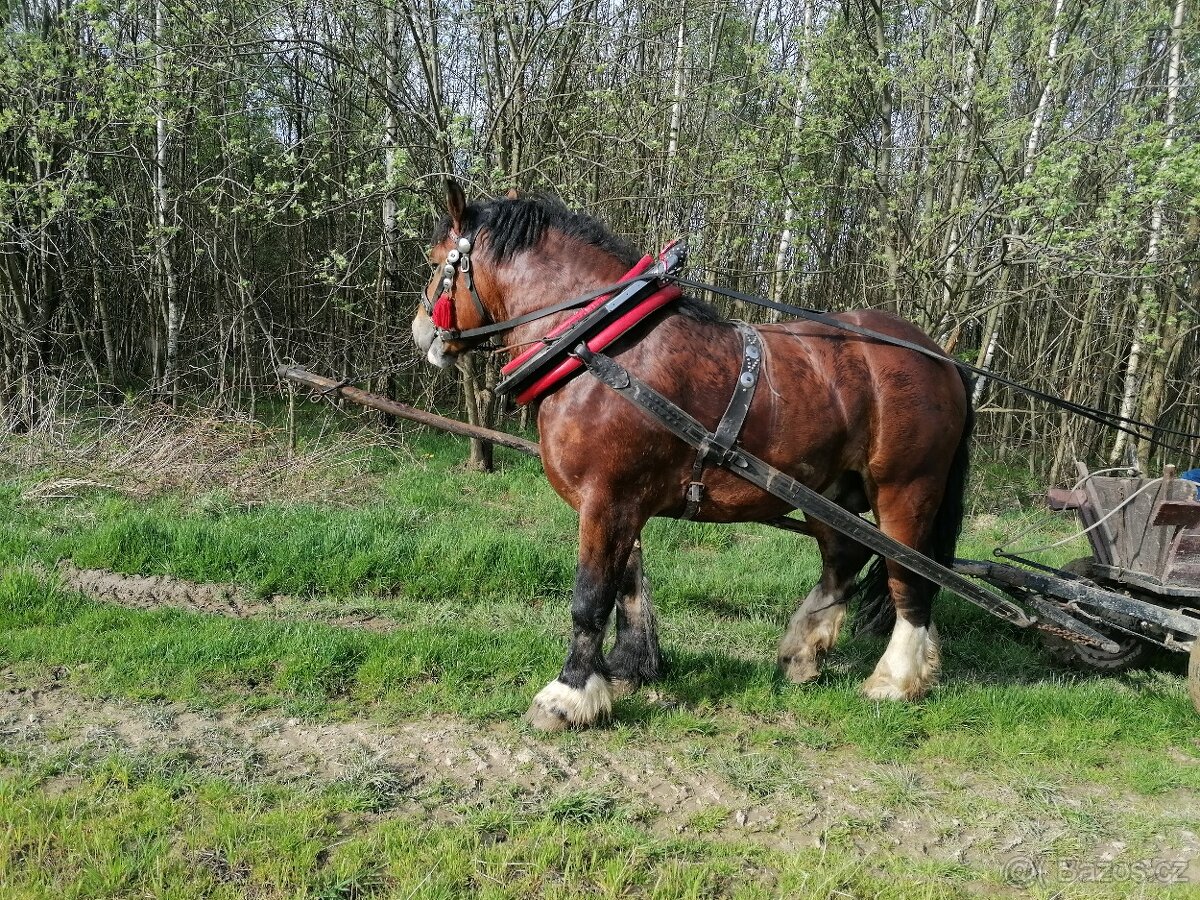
(909, 666)
(812, 631)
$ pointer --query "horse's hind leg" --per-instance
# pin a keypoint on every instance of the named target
(581, 694)
(909, 666)
(815, 624)
(635, 658)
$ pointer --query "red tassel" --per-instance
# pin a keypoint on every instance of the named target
(443, 313)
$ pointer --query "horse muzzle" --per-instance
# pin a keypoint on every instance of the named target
(429, 339)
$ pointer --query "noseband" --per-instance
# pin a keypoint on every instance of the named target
(442, 311)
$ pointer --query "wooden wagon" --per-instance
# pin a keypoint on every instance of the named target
(1140, 586)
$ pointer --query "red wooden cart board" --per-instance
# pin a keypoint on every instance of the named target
(642, 265)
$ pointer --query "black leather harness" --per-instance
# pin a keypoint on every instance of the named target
(557, 348)
(779, 484)
(716, 448)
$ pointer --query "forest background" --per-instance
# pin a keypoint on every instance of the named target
(194, 192)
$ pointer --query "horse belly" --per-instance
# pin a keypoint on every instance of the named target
(809, 438)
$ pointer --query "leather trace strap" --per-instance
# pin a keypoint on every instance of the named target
(779, 484)
(715, 448)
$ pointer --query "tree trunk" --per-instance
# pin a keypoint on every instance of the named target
(169, 286)
(677, 87)
(779, 277)
(1147, 295)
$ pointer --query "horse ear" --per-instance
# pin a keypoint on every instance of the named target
(456, 203)
(512, 194)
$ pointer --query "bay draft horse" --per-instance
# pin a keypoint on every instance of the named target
(870, 425)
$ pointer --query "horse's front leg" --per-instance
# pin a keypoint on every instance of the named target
(582, 693)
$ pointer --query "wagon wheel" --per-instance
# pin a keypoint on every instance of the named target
(1194, 673)
(1130, 649)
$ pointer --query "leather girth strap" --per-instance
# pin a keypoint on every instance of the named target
(715, 447)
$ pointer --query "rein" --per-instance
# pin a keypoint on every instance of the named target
(441, 312)
(458, 260)
(575, 302)
(1112, 420)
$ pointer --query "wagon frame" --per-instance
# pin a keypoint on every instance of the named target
(1141, 584)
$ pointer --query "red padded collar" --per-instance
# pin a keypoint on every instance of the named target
(613, 330)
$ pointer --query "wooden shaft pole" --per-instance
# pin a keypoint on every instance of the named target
(333, 388)
(365, 398)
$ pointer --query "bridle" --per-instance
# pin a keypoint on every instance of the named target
(441, 311)
(445, 322)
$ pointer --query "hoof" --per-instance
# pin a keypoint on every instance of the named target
(812, 631)
(800, 669)
(883, 687)
(542, 718)
(625, 687)
(559, 706)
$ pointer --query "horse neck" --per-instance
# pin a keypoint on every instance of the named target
(557, 270)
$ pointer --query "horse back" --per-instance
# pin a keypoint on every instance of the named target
(902, 407)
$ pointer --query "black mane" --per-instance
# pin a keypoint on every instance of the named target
(514, 225)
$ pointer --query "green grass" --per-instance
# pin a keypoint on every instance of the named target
(139, 829)
(997, 705)
(158, 826)
(475, 572)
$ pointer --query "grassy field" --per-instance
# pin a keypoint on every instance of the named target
(140, 749)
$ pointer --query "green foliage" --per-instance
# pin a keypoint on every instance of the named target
(285, 140)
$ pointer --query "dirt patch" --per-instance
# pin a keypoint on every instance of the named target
(152, 592)
(442, 766)
(162, 591)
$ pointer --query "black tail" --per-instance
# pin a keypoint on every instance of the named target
(876, 614)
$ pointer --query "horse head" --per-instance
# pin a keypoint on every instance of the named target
(503, 258)
(452, 301)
